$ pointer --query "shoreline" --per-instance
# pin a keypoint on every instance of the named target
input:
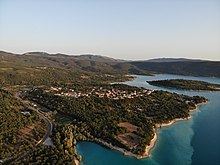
(196, 108)
(153, 141)
(151, 146)
(148, 148)
(76, 162)
(122, 150)
(158, 126)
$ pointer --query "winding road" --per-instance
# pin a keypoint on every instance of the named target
(27, 104)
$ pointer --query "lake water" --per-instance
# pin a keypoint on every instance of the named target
(195, 141)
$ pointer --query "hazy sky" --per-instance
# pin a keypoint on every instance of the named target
(128, 29)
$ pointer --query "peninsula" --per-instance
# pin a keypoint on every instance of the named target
(117, 116)
(186, 84)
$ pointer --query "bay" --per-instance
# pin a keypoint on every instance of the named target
(194, 141)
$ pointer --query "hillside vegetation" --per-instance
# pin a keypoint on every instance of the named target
(100, 112)
(26, 66)
(18, 132)
(186, 84)
(42, 68)
(193, 68)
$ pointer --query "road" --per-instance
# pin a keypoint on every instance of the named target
(27, 104)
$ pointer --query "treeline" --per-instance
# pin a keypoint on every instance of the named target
(186, 84)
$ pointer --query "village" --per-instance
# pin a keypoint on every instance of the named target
(100, 92)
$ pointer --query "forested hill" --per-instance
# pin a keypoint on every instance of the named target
(203, 68)
(102, 64)
(91, 63)
(186, 84)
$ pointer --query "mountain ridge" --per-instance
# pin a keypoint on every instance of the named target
(174, 60)
(107, 65)
(93, 57)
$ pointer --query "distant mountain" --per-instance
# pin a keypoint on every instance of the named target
(194, 68)
(173, 60)
(37, 53)
(97, 58)
(102, 64)
(89, 57)
(91, 63)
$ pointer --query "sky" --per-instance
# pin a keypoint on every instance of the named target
(124, 29)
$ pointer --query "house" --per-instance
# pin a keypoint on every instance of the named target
(25, 113)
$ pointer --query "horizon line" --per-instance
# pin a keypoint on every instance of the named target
(95, 54)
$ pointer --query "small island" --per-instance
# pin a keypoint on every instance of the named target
(186, 84)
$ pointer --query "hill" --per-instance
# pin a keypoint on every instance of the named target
(173, 60)
(41, 66)
(203, 68)
(87, 57)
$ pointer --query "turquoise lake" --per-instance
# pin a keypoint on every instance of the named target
(195, 141)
